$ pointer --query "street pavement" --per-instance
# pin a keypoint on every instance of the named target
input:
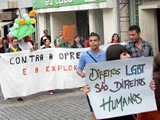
(68, 104)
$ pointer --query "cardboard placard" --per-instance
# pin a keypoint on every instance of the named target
(68, 32)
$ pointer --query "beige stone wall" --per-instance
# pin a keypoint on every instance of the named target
(124, 20)
(9, 5)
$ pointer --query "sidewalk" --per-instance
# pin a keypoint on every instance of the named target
(62, 105)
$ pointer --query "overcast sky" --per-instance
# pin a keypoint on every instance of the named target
(2, 1)
(6, 0)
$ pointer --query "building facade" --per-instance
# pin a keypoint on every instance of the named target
(144, 13)
(147, 16)
(88, 16)
(8, 13)
(104, 17)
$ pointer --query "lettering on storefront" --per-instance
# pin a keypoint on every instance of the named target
(51, 2)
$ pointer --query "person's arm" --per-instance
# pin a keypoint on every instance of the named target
(81, 67)
(35, 46)
(85, 89)
(58, 41)
(80, 73)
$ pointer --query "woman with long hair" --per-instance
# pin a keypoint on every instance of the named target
(46, 43)
(77, 42)
(115, 38)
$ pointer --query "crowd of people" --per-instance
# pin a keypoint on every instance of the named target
(136, 47)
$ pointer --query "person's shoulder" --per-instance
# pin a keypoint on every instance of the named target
(84, 54)
(29, 44)
(8, 49)
(146, 42)
(129, 44)
(103, 52)
(19, 49)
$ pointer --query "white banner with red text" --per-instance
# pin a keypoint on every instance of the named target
(24, 73)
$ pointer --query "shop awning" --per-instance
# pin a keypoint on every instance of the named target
(2, 24)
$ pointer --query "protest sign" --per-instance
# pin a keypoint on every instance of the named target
(68, 33)
(24, 73)
(120, 87)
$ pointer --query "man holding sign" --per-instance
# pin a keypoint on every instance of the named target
(91, 56)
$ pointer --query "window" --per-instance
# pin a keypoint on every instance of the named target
(138, 3)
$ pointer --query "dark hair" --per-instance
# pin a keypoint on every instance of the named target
(94, 34)
(135, 27)
(113, 37)
(79, 41)
(114, 51)
(45, 30)
(156, 66)
(4, 38)
(13, 38)
(46, 40)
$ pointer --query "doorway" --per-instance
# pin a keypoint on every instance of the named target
(82, 24)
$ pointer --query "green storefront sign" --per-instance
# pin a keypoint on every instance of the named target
(38, 4)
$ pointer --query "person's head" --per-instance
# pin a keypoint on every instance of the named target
(5, 40)
(44, 39)
(14, 42)
(45, 32)
(61, 32)
(47, 42)
(77, 39)
(26, 39)
(156, 63)
(94, 41)
(116, 51)
(115, 37)
(134, 33)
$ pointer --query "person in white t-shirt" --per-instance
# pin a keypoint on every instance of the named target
(24, 44)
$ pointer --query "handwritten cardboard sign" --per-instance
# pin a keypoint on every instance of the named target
(120, 87)
(22, 31)
(68, 32)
